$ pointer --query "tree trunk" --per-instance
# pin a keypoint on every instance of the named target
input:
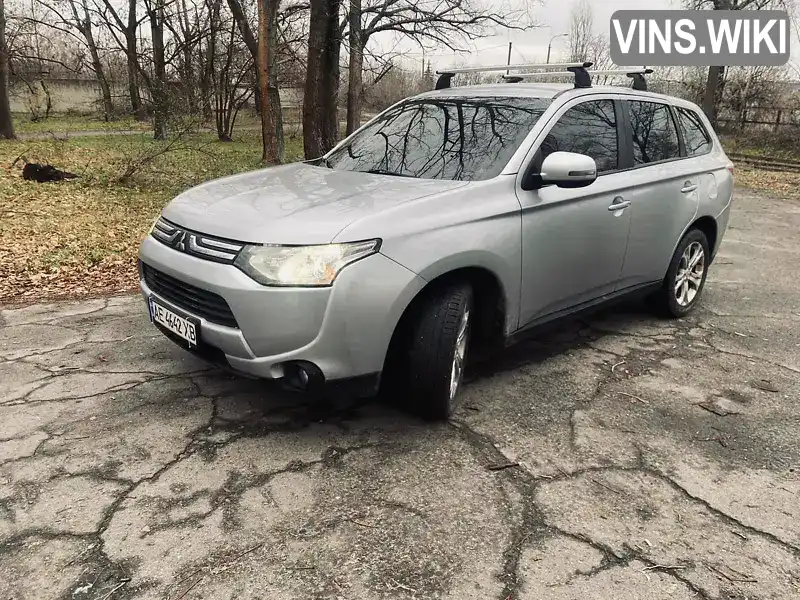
(208, 58)
(320, 119)
(139, 112)
(272, 86)
(188, 81)
(355, 85)
(83, 24)
(131, 52)
(266, 18)
(244, 28)
(159, 90)
(105, 89)
(188, 66)
(274, 91)
(97, 67)
(48, 99)
(713, 93)
(224, 93)
(6, 123)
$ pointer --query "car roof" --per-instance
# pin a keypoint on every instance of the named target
(510, 90)
(545, 90)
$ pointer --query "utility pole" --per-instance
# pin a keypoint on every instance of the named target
(509, 58)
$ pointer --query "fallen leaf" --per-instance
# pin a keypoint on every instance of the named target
(766, 385)
(721, 406)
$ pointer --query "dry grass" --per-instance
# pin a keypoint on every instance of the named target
(81, 237)
(66, 123)
(782, 184)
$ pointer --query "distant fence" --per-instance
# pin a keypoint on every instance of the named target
(753, 118)
(761, 118)
(82, 95)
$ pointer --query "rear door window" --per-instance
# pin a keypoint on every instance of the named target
(589, 128)
(655, 137)
(695, 137)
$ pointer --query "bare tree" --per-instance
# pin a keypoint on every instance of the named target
(6, 123)
(750, 88)
(716, 74)
(79, 19)
(33, 55)
(155, 13)
(320, 118)
(125, 34)
(83, 23)
(207, 56)
(581, 34)
(228, 77)
(447, 23)
(186, 34)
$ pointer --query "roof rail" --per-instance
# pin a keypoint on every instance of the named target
(575, 68)
(637, 75)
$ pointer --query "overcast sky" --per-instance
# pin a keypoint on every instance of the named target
(531, 46)
(553, 18)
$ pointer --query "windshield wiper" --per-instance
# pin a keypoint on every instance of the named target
(320, 162)
(387, 172)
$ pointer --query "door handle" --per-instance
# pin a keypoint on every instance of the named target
(688, 187)
(619, 204)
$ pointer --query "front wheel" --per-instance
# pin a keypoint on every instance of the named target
(686, 275)
(437, 351)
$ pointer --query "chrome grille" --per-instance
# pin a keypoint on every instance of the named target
(196, 244)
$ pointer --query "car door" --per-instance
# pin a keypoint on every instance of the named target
(664, 190)
(573, 240)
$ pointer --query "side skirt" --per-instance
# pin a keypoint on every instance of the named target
(548, 321)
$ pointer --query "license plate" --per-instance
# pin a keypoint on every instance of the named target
(177, 324)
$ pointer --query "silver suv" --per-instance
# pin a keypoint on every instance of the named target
(448, 225)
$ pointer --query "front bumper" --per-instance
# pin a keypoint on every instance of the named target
(344, 329)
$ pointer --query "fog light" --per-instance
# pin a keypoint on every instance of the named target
(302, 375)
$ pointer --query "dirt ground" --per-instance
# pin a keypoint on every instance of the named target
(618, 457)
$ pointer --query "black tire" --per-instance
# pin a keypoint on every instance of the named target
(667, 297)
(431, 349)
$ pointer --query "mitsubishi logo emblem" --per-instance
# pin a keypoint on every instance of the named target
(180, 241)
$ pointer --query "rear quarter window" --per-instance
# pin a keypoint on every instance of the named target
(695, 136)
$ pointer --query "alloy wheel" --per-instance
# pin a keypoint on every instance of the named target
(689, 276)
(459, 356)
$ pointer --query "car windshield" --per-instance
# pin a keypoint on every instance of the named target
(441, 138)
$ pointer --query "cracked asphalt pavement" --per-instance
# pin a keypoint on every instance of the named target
(620, 456)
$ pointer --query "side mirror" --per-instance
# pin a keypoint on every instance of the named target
(569, 169)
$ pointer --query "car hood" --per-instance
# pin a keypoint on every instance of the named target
(293, 204)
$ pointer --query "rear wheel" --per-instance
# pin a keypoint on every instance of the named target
(437, 350)
(686, 275)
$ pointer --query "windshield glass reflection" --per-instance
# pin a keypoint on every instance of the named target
(442, 138)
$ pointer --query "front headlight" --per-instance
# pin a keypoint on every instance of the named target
(301, 265)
